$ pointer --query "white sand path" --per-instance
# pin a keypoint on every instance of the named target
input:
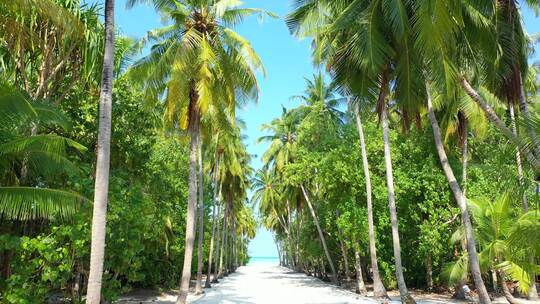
(269, 284)
(265, 284)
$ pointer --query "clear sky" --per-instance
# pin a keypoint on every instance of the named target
(287, 62)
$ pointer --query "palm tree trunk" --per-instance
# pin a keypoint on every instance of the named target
(278, 248)
(234, 247)
(378, 287)
(429, 272)
(218, 244)
(211, 251)
(101, 189)
(223, 245)
(518, 156)
(360, 286)
(297, 245)
(200, 239)
(321, 235)
(465, 157)
(404, 293)
(461, 200)
(532, 158)
(290, 240)
(192, 202)
(507, 294)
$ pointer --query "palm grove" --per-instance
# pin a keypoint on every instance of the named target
(414, 165)
(171, 137)
(363, 174)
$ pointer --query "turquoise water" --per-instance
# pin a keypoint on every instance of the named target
(264, 261)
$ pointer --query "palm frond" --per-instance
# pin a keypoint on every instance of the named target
(26, 203)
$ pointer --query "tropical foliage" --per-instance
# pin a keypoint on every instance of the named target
(410, 159)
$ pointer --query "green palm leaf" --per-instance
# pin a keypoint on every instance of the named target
(27, 203)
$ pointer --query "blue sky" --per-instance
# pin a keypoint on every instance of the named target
(286, 59)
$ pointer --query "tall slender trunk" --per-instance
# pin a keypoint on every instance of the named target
(226, 256)
(297, 245)
(101, 189)
(360, 286)
(218, 243)
(290, 240)
(403, 292)
(200, 238)
(378, 287)
(531, 157)
(211, 250)
(518, 157)
(429, 272)
(234, 247)
(462, 203)
(464, 156)
(223, 235)
(192, 202)
(321, 235)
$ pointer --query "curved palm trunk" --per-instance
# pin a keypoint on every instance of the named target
(403, 292)
(321, 236)
(378, 287)
(198, 285)
(531, 157)
(462, 203)
(507, 293)
(97, 250)
(192, 202)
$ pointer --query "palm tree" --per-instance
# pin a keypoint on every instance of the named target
(317, 90)
(363, 41)
(500, 239)
(205, 68)
(320, 232)
(462, 203)
(378, 287)
(97, 251)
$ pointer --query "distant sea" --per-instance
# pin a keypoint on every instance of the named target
(264, 261)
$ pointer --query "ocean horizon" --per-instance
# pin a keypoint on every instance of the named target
(264, 261)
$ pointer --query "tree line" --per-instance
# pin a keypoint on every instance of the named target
(171, 176)
(457, 71)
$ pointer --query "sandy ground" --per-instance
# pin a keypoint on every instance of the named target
(265, 284)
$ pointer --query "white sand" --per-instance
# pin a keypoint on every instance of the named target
(268, 284)
(265, 284)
